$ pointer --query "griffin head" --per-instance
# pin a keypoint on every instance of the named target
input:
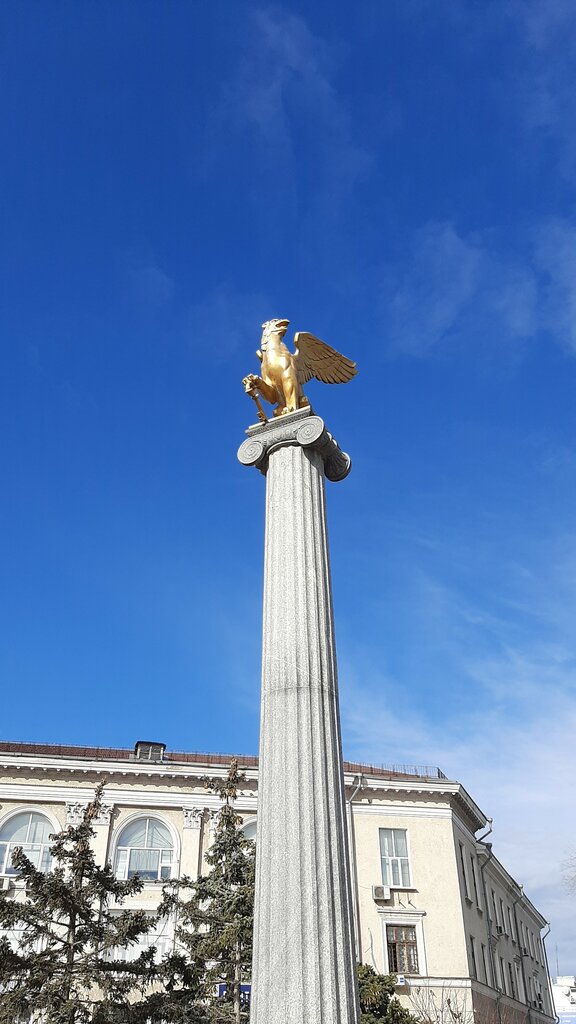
(275, 327)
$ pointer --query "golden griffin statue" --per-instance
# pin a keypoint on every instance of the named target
(284, 372)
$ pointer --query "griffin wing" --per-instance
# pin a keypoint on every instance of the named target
(314, 358)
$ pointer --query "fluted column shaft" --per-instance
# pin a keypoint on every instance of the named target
(303, 967)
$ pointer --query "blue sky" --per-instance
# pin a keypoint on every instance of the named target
(398, 179)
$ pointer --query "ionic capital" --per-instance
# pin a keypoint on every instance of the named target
(301, 428)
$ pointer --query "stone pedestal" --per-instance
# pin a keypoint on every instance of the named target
(303, 966)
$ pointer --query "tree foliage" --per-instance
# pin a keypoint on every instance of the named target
(63, 932)
(377, 999)
(214, 913)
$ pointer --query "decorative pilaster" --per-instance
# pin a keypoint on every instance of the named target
(193, 817)
(303, 966)
(75, 813)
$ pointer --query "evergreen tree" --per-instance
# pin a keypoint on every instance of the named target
(377, 999)
(65, 967)
(214, 913)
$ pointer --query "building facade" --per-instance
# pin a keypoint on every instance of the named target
(432, 903)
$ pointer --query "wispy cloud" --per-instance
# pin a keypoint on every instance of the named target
(455, 290)
(509, 736)
(283, 102)
(145, 279)
(556, 259)
(544, 80)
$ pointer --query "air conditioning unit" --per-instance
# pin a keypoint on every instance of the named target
(499, 929)
(6, 883)
(525, 951)
(400, 979)
(380, 892)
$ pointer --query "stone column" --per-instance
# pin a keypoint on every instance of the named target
(303, 965)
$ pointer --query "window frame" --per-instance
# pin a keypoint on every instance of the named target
(249, 824)
(117, 847)
(473, 961)
(485, 963)
(503, 985)
(513, 934)
(399, 919)
(474, 880)
(513, 993)
(394, 968)
(395, 858)
(463, 867)
(127, 954)
(54, 825)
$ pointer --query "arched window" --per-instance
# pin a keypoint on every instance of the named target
(144, 848)
(249, 829)
(31, 831)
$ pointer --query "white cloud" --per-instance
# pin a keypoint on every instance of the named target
(286, 72)
(457, 289)
(544, 80)
(543, 23)
(146, 279)
(556, 258)
(441, 280)
(508, 737)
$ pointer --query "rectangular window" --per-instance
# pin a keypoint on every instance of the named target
(502, 919)
(402, 951)
(511, 925)
(495, 912)
(474, 879)
(513, 992)
(162, 938)
(394, 857)
(518, 980)
(485, 965)
(473, 966)
(503, 985)
(463, 866)
(144, 863)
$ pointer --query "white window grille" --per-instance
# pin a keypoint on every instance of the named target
(394, 857)
(162, 943)
(144, 848)
(147, 750)
(15, 939)
(30, 831)
(162, 939)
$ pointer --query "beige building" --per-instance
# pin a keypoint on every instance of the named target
(432, 903)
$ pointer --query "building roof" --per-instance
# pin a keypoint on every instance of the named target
(123, 760)
(196, 757)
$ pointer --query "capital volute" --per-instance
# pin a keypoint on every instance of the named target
(300, 428)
